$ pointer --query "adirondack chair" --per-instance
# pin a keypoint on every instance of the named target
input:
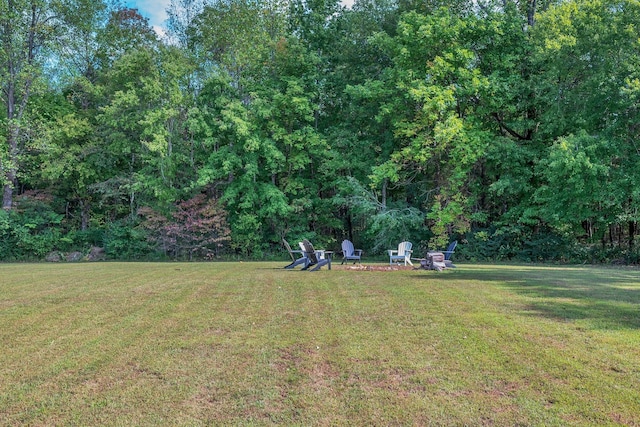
(317, 259)
(300, 259)
(403, 253)
(449, 253)
(349, 253)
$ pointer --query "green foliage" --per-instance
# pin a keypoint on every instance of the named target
(260, 150)
(384, 226)
(422, 121)
(126, 240)
(518, 243)
(248, 232)
(85, 239)
(436, 81)
(31, 231)
(578, 183)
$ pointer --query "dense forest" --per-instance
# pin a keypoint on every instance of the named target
(511, 126)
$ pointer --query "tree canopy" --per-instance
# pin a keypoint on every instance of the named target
(511, 126)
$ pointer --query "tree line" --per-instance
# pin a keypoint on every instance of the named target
(509, 125)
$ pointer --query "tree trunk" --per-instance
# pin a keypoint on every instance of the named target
(384, 193)
(531, 12)
(7, 194)
(20, 57)
(84, 216)
(10, 169)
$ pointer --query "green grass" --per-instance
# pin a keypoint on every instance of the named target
(123, 344)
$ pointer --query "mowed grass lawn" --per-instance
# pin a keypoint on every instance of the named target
(189, 344)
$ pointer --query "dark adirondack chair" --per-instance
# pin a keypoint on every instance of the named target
(317, 258)
(349, 253)
(297, 256)
(448, 253)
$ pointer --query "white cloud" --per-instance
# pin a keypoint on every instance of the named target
(160, 31)
(154, 10)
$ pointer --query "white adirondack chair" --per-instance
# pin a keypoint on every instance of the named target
(402, 254)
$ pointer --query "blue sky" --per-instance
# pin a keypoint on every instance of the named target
(155, 11)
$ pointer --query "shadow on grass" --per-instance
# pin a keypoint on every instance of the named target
(605, 298)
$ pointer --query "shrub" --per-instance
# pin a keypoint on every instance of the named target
(31, 230)
(196, 226)
(124, 241)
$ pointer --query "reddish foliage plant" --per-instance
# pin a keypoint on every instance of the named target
(197, 227)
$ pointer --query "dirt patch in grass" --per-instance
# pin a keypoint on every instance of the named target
(379, 267)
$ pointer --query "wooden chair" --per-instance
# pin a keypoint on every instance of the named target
(317, 258)
(403, 253)
(449, 253)
(297, 256)
(349, 253)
